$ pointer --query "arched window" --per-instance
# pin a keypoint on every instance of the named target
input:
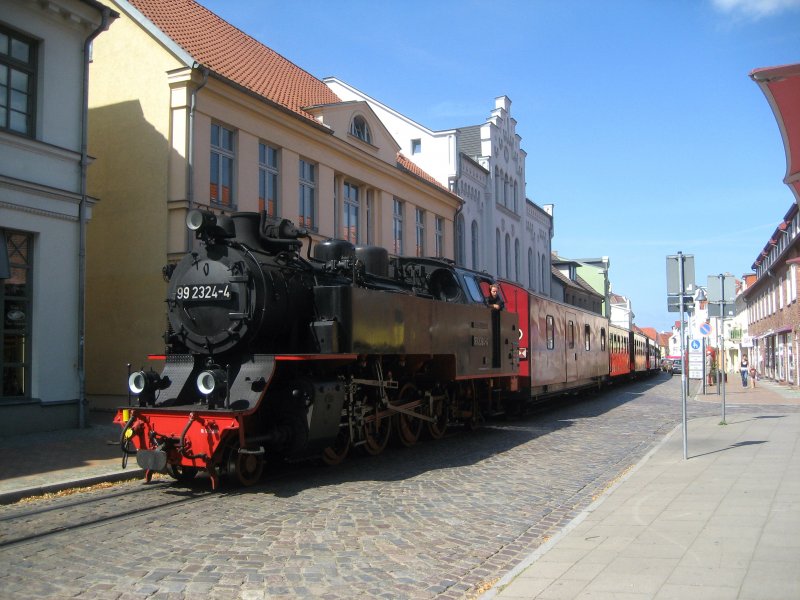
(475, 253)
(498, 252)
(531, 270)
(360, 129)
(544, 288)
(461, 250)
(516, 260)
(516, 196)
(508, 256)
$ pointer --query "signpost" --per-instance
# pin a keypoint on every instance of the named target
(721, 298)
(678, 267)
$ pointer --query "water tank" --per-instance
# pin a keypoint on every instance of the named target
(375, 259)
(333, 250)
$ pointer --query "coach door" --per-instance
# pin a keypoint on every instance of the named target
(571, 349)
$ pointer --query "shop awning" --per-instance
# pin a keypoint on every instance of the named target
(781, 86)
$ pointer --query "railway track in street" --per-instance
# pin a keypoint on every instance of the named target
(438, 520)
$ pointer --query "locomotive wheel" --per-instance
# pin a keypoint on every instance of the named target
(438, 409)
(337, 452)
(247, 468)
(182, 472)
(377, 429)
(408, 428)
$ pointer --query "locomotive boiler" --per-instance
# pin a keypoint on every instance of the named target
(276, 354)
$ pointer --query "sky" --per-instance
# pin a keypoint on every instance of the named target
(640, 121)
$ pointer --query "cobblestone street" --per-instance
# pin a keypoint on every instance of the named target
(443, 519)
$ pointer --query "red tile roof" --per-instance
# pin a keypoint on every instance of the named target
(231, 53)
(406, 164)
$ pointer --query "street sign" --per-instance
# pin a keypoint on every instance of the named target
(695, 344)
(724, 310)
(705, 328)
(674, 263)
(721, 288)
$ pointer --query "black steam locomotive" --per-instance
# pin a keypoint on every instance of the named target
(273, 354)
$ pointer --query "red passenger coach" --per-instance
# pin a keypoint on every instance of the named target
(563, 348)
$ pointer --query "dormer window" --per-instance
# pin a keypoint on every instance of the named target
(360, 129)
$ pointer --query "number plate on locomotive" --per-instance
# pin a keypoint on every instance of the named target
(213, 291)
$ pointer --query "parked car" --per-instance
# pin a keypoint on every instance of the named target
(676, 367)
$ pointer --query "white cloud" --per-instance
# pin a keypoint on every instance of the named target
(755, 9)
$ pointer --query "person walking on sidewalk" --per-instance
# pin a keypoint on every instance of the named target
(745, 369)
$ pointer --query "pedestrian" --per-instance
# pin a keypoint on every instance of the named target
(494, 300)
(752, 377)
(744, 367)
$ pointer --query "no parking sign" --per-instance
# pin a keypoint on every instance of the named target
(705, 328)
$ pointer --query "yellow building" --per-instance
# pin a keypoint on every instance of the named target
(188, 111)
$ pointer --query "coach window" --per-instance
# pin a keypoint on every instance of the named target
(602, 339)
(474, 289)
(223, 157)
(551, 337)
(570, 335)
(15, 326)
(268, 179)
(587, 337)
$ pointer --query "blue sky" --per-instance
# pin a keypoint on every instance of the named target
(640, 122)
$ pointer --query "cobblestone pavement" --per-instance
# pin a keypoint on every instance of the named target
(443, 519)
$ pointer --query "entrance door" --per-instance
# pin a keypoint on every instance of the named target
(571, 347)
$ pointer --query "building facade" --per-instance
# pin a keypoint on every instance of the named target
(188, 112)
(498, 230)
(773, 314)
(43, 204)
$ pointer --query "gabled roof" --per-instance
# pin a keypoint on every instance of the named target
(231, 53)
(406, 164)
(776, 235)
(650, 332)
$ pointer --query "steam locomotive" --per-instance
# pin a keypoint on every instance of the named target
(272, 354)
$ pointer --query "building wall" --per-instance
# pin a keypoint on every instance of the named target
(773, 316)
(130, 131)
(39, 199)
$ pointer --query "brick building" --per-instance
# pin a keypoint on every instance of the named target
(773, 313)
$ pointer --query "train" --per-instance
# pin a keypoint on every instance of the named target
(276, 355)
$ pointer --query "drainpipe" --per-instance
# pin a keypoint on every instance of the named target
(87, 44)
(190, 152)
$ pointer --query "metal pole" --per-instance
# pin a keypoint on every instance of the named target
(683, 358)
(704, 366)
(722, 343)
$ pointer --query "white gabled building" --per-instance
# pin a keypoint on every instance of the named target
(498, 229)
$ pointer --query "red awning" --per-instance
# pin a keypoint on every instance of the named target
(781, 86)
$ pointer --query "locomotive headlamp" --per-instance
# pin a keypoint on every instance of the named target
(146, 381)
(212, 381)
(145, 384)
(206, 223)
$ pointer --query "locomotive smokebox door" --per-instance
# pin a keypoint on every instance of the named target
(325, 414)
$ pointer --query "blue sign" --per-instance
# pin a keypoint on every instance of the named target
(705, 328)
(695, 344)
